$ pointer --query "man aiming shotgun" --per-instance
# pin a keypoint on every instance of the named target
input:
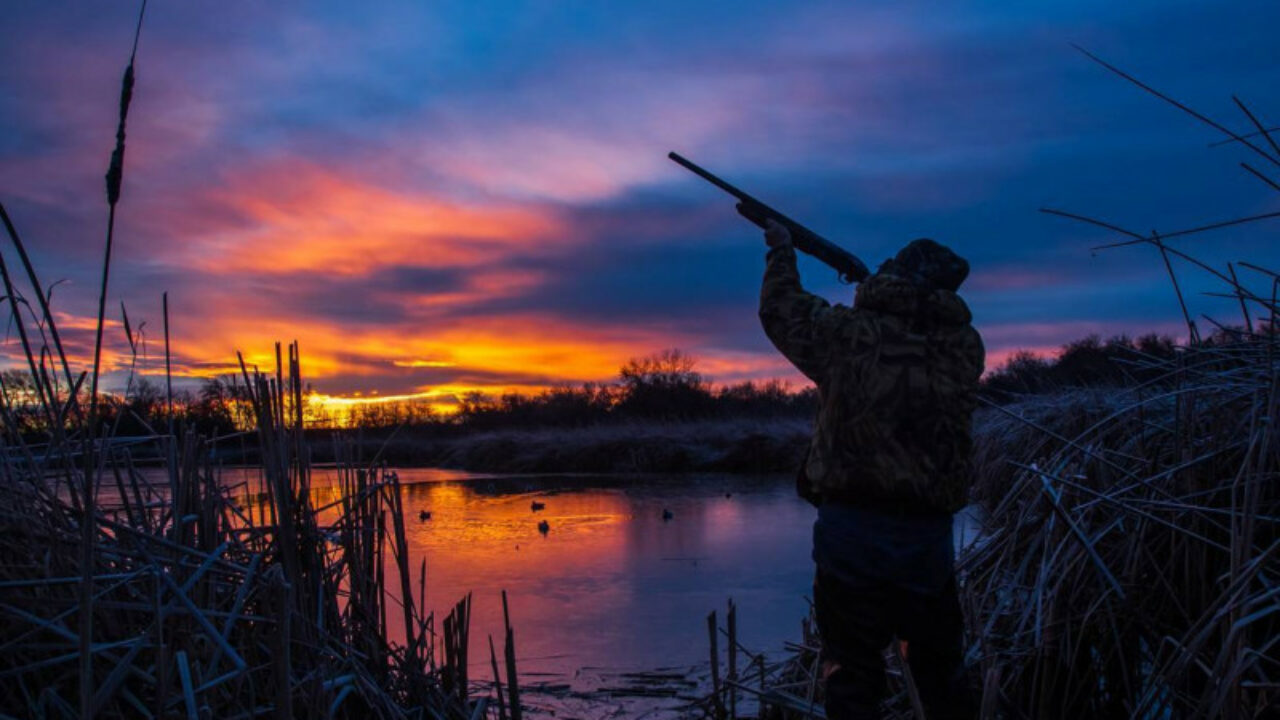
(889, 463)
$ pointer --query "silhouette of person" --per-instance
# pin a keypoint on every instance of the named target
(888, 466)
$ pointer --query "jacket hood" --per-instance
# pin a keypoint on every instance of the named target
(891, 294)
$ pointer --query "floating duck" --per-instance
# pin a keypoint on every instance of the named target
(544, 527)
(536, 506)
(667, 514)
(424, 516)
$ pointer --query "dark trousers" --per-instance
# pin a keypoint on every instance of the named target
(857, 623)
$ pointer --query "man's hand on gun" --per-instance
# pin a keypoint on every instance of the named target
(776, 234)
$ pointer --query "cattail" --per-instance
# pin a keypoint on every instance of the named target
(115, 171)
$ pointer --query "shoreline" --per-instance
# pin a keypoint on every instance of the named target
(740, 446)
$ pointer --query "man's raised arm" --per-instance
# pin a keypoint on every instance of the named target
(792, 317)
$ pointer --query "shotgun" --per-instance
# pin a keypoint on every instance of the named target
(850, 268)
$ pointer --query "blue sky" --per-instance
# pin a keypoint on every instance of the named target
(434, 197)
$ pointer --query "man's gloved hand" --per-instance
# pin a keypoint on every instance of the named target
(776, 235)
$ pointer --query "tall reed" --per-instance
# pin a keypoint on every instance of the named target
(174, 593)
(212, 599)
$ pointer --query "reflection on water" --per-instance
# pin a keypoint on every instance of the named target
(612, 583)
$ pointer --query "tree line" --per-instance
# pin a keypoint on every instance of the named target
(665, 386)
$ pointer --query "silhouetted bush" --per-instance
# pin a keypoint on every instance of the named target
(1086, 363)
(664, 385)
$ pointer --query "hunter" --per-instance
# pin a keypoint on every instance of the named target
(888, 466)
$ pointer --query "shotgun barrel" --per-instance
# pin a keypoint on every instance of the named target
(850, 268)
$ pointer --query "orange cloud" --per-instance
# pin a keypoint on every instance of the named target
(298, 217)
(423, 363)
(524, 345)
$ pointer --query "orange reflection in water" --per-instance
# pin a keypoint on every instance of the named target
(611, 584)
(557, 582)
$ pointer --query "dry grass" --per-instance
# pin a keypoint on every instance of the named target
(1130, 561)
(216, 601)
(1130, 565)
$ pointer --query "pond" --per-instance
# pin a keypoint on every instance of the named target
(625, 573)
(627, 570)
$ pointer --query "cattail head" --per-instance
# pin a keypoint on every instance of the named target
(115, 171)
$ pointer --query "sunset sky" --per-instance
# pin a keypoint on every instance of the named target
(441, 196)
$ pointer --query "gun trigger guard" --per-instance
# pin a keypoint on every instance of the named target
(845, 278)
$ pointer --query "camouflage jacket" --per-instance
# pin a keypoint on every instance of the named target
(897, 376)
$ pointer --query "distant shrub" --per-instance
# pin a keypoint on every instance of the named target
(1088, 362)
(664, 385)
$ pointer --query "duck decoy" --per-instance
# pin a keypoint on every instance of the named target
(544, 527)
(667, 514)
(424, 516)
(535, 506)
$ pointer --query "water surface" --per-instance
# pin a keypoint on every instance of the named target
(612, 583)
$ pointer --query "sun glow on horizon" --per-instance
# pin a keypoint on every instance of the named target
(339, 407)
